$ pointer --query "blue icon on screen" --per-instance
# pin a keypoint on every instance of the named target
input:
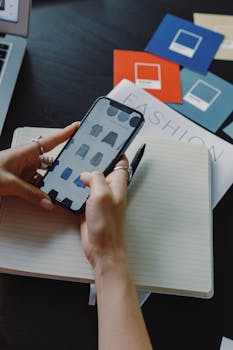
(79, 183)
(66, 173)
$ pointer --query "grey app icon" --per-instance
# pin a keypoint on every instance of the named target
(110, 138)
(95, 161)
(96, 130)
(82, 151)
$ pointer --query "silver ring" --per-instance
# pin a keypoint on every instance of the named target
(39, 144)
(45, 162)
(126, 168)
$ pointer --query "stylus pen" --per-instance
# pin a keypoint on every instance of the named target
(137, 158)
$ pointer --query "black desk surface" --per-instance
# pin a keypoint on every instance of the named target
(67, 65)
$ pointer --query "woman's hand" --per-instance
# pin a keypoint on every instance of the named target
(18, 166)
(121, 325)
(102, 226)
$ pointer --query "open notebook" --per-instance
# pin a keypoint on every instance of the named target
(169, 224)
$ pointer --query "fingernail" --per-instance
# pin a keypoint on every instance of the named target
(46, 204)
(85, 173)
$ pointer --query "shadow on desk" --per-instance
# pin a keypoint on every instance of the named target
(45, 2)
(47, 314)
(2, 323)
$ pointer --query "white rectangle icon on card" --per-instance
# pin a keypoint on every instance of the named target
(202, 95)
(227, 44)
(9, 10)
(185, 43)
(148, 75)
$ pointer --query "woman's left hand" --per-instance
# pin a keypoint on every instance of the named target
(18, 166)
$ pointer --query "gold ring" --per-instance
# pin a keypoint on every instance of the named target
(126, 168)
(39, 144)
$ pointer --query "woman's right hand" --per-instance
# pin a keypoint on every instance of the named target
(121, 324)
(103, 224)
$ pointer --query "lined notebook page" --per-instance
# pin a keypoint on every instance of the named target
(39, 243)
(169, 230)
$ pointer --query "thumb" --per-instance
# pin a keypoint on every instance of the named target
(30, 193)
(85, 177)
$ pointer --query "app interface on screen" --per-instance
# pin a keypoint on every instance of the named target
(96, 143)
(9, 10)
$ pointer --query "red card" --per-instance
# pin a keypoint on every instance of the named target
(158, 76)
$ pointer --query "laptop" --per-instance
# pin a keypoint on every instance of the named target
(14, 25)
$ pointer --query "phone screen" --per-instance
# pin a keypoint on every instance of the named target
(105, 132)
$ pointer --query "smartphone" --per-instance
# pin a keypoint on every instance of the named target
(102, 137)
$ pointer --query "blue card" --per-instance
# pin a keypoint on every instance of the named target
(207, 99)
(185, 43)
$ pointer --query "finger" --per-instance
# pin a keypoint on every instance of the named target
(45, 162)
(118, 180)
(85, 177)
(36, 179)
(123, 161)
(28, 173)
(48, 143)
(98, 185)
(30, 193)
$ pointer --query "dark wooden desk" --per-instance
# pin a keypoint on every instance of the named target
(67, 65)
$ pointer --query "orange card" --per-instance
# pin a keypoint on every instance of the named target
(158, 76)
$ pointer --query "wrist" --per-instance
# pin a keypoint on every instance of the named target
(113, 279)
(115, 265)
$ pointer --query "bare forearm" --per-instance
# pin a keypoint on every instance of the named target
(121, 324)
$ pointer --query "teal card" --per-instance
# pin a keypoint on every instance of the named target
(207, 99)
(229, 130)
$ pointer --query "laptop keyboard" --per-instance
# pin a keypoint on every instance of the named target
(3, 53)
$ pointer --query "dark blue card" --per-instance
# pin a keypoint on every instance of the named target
(185, 43)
